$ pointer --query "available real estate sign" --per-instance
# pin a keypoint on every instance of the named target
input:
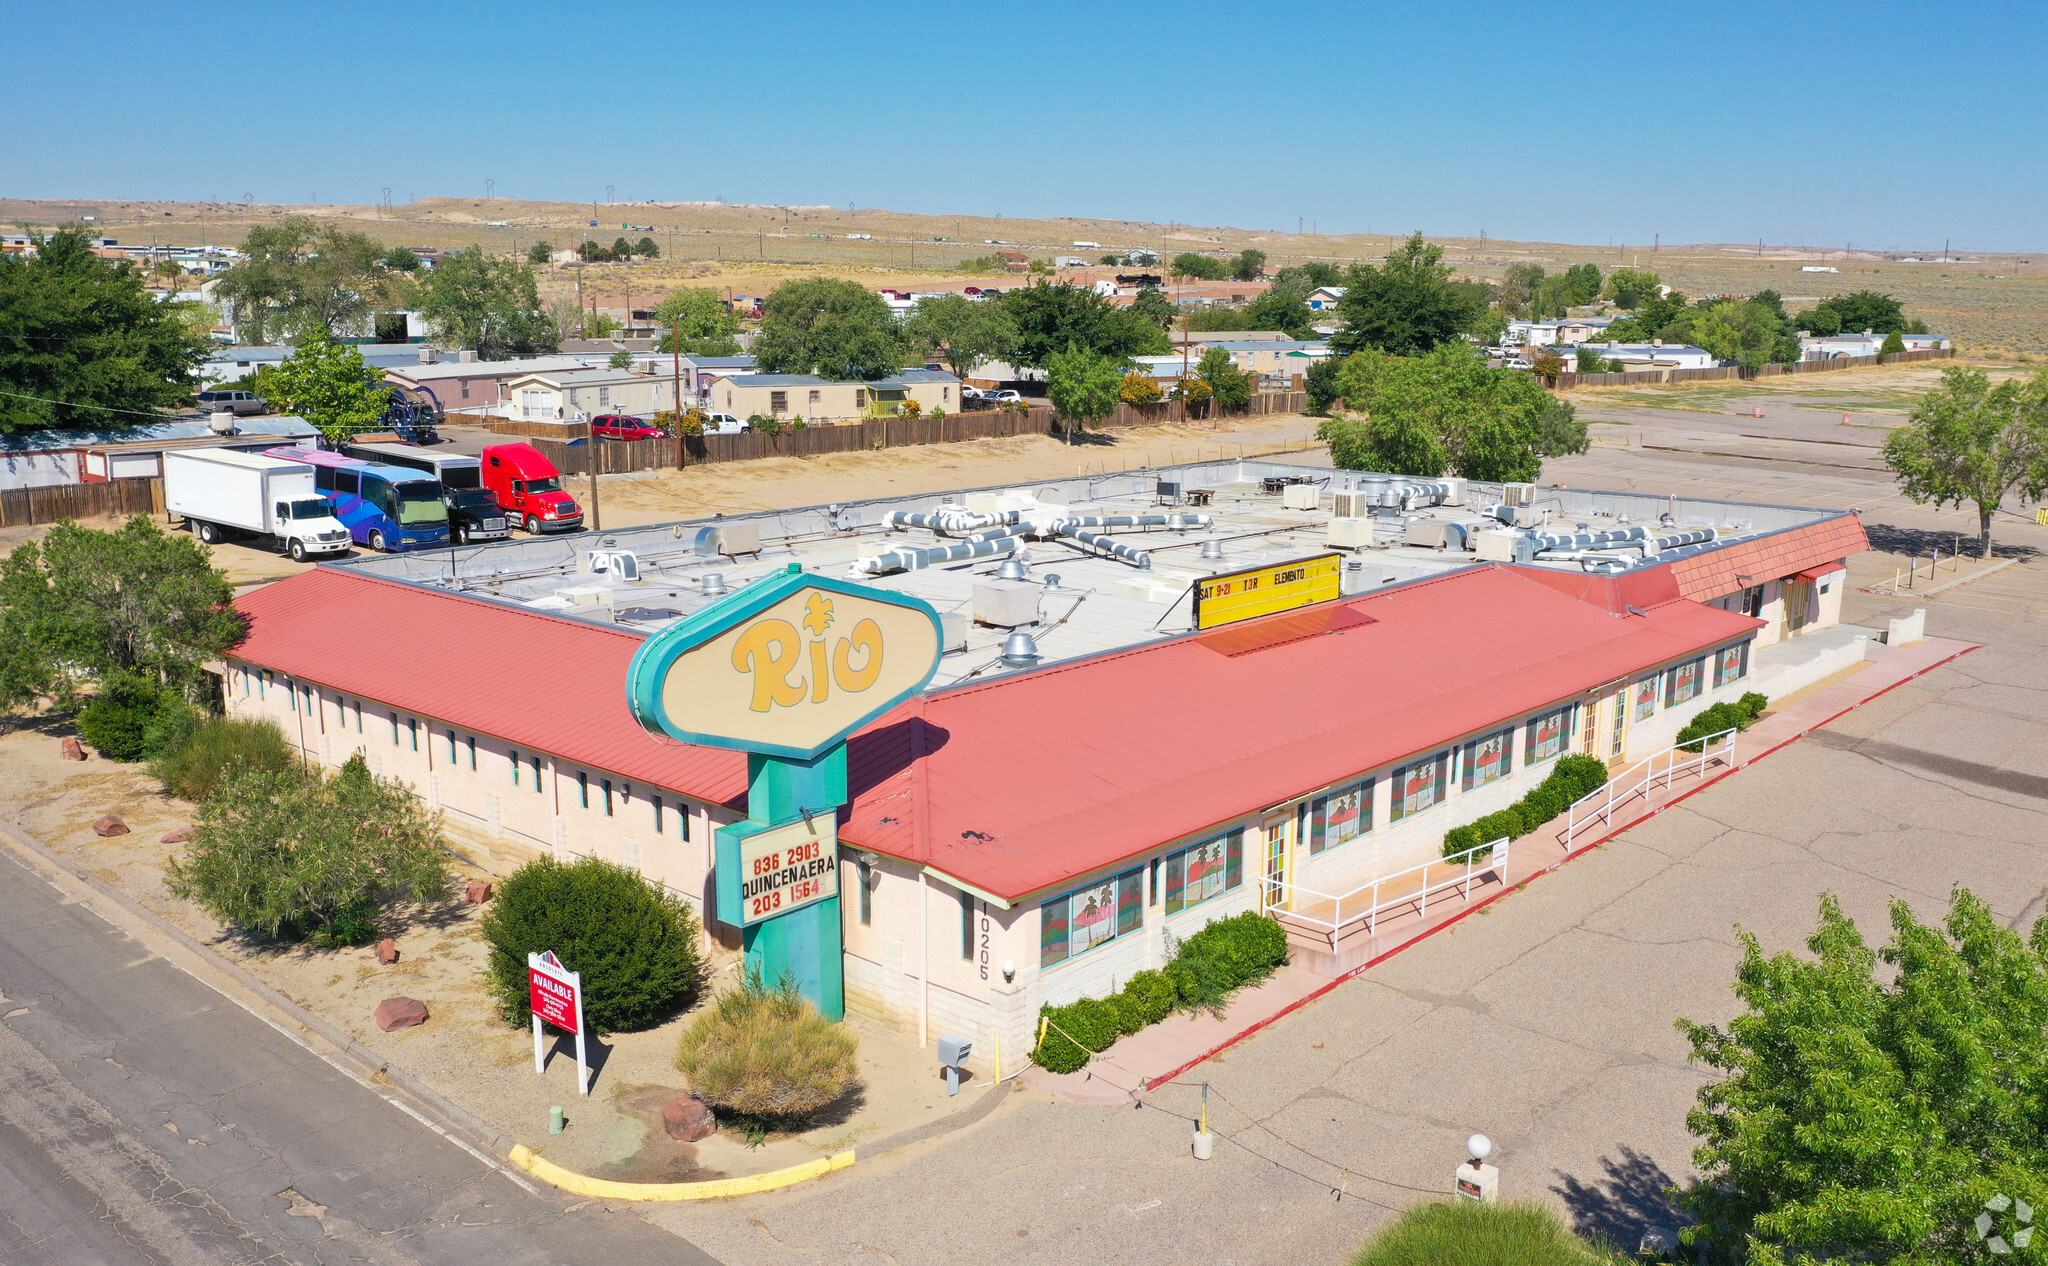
(556, 994)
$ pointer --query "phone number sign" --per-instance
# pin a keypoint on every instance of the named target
(553, 990)
(788, 867)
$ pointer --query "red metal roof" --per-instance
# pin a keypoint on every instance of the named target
(1027, 781)
(1709, 575)
(537, 681)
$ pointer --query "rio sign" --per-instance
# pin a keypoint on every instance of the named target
(788, 666)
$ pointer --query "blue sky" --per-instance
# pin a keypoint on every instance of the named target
(1892, 126)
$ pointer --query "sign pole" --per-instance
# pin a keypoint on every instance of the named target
(539, 1061)
(582, 1065)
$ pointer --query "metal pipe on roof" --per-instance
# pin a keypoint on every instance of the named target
(1110, 545)
(951, 520)
(901, 558)
(1702, 536)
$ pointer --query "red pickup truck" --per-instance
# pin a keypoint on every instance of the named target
(529, 489)
(622, 426)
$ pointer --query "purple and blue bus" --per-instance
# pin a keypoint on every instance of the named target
(390, 508)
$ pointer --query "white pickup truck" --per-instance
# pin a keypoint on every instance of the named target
(221, 493)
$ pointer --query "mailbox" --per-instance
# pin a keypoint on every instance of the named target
(953, 1054)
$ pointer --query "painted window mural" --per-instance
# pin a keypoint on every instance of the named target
(1682, 681)
(1420, 785)
(1072, 925)
(1205, 870)
(1342, 816)
(1548, 735)
(1646, 697)
(1489, 758)
(1731, 663)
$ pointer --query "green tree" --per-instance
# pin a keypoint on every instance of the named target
(1210, 319)
(965, 331)
(1519, 286)
(622, 250)
(1054, 317)
(1867, 1113)
(1744, 333)
(491, 305)
(645, 248)
(1229, 386)
(1630, 288)
(1282, 310)
(1198, 267)
(83, 344)
(1893, 345)
(1970, 441)
(1651, 318)
(1447, 412)
(304, 278)
(1407, 306)
(1321, 384)
(400, 259)
(331, 386)
(1250, 265)
(290, 854)
(829, 327)
(621, 359)
(702, 318)
(1857, 311)
(1585, 283)
(593, 252)
(83, 604)
(1152, 304)
(1303, 278)
(1591, 361)
(1084, 386)
(538, 253)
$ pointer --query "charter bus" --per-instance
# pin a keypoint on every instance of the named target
(392, 508)
(473, 513)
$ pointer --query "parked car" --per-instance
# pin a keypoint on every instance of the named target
(529, 489)
(623, 426)
(239, 403)
(1002, 397)
(724, 424)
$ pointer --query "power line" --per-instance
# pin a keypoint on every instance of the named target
(66, 404)
(1339, 1191)
(1427, 1191)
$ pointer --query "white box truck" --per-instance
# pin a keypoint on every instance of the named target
(222, 493)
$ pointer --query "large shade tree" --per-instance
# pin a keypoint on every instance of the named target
(304, 278)
(1408, 305)
(963, 331)
(1051, 318)
(491, 305)
(703, 320)
(1970, 441)
(829, 327)
(1448, 413)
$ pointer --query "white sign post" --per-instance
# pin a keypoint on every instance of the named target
(557, 997)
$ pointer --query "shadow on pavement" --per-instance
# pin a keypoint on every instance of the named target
(1629, 1200)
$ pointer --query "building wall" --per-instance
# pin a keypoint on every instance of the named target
(834, 400)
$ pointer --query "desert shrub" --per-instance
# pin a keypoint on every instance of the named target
(1248, 947)
(192, 768)
(1569, 779)
(1075, 1034)
(763, 1052)
(1578, 775)
(1199, 984)
(117, 720)
(634, 943)
(1714, 718)
(1463, 839)
(1152, 994)
(1473, 1234)
(293, 855)
(173, 724)
(1124, 1013)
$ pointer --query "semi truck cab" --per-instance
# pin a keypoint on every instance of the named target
(529, 489)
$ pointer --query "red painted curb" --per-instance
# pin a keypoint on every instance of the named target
(1354, 972)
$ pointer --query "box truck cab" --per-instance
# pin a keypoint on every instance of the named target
(473, 513)
(529, 489)
(388, 508)
(222, 493)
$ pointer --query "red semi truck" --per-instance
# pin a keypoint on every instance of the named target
(529, 489)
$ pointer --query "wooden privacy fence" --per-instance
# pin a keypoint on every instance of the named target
(1636, 377)
(120, 498)
(619, 457)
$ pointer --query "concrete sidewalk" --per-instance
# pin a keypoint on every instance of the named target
(1150, 1058)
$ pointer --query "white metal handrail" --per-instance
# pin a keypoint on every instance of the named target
(1464, 866)
(1639, 778)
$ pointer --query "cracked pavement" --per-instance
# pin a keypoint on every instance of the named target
(147, 1119)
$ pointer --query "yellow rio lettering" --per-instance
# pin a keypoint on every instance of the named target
(821, 680)
(867, 635)
(770, 649)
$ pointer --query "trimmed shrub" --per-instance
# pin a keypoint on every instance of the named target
(1578, 775)
(1714, 718)
(1246, 946)
(1474, 1234)
(1076, 1033)
(193, 767)
(1152, 994)
(117, 721)
(1569, 779)
(1125, 1013)
(634, 943)
(1199, 984)
(292, 855)
(766, 1054)
(1755, 702)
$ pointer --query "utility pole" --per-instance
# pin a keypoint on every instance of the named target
(676, 345)
(590, 441)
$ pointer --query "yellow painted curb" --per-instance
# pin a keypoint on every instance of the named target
(712, 1189)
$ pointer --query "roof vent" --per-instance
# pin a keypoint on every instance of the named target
(1020, 650)
(1212, 549)
(1052, 580)
(1012, 568)
(713, 584)
(222, 423)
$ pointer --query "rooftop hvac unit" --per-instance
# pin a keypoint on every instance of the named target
(1433, 534)
(1351, 533)
(1005, 604)
(953, 627)
(1496, 546)
(1518, 494)
(587, 595)
(732, 539)
(1454, 490)
(1354, 505)
(1301, 497)
(1528, 516)
(221, 423)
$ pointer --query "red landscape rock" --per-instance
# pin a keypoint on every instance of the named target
(688, 1119)
(478, 892)
(72, 751)
(178, 836)
(400, 1013)
(109, 825)
(387, 951)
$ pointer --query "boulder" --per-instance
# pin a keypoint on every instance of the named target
(688, 1119)
(400, 1013)
(387, 951)
(109, 825)
(177, 836)
(72, 751)
(478, 892)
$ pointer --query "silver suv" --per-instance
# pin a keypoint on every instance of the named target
(239, 403)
